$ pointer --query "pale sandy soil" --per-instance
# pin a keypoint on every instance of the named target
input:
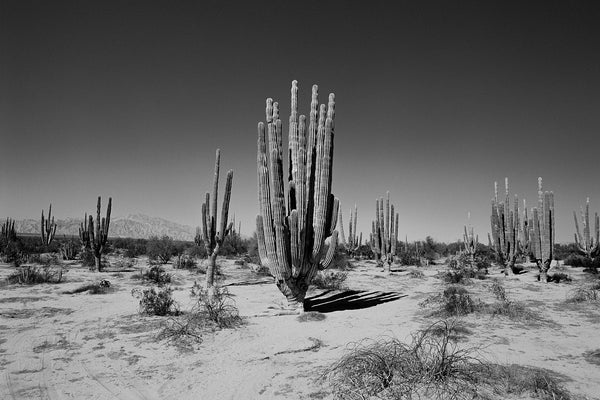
(82, 346)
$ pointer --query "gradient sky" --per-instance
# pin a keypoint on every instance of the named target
(435, 101)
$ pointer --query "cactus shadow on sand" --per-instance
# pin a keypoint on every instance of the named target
(330, 300)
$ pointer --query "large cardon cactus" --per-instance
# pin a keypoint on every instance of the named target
(295, 222)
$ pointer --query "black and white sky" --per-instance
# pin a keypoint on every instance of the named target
(435, 102)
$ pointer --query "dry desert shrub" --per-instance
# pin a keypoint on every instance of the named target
(432, 366)
(311, 316)
(102, 287)
(153, 302)
(454, 301)
(31, 275)
(332, 280)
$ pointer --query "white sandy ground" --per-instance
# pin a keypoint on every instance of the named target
(81, 346)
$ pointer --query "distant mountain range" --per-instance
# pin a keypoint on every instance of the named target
(132, 226)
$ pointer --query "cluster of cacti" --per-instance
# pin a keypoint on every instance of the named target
(470, 240)
(48, 227)
(354, 240)
(542, 231)
(9, 234)
(291, 236)
(384, 236)
(505, 229)
(586, 243)
(213, 238)
(95, 235)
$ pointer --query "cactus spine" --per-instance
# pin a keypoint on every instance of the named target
(385, 232)
(98, 232)
(48, 227)
(505, 229)
(542, 229)
(213, 238)
(586, 243)
(291, 237)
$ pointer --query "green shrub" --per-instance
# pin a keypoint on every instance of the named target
(156, 274)
(153, 302)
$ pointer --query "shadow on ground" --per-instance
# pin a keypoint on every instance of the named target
(330, 301)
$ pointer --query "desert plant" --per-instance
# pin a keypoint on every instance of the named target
(9, 234)
(94, 237)
(31, 275)
(470, 240)
(153, 302)
(291, 239)
(212, 238)
(185, 261)
(48, 227)
(101, 287)
(69, 249)
(588, 245)
(156, 274)
(330, 280)
(453, 301)
(584, 293)
(385, 233)
(160, 249)
(543, 232)
(216, 305)
(354, 241)
(505, 229)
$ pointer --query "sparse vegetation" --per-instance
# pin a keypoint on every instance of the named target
(157, 274)
(160, 249)
(101, 287)
(156, 302)
(31, 275)
(334, 280)
(454, 301)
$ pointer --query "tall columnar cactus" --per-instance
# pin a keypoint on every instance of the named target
(354, 241)
(470, 240)
(98, 232)
(542, 231)
(213, 238)
(9, 234)
(48, 227)
(385, 232)
(505, 229)
(291, 236)
(525, 234)
(340, 224)
(84, 233)
(586, 243)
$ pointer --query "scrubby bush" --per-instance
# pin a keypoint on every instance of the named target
(333, 280)
(454, 301)
(31, 275)
(579, 261)
(216, 305)
(160, 249)
(461, 268)
(417, 274)
(153, 302)
(185, 261)
(87, 258)
(196, 251)
(101, 287)
(506, 307)
(558, 277)
(157, 274)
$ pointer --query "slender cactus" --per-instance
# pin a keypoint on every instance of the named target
(354, 242)
(9, 234)
(385, 232)
(98, 232)
(505, 229)
(291, 235)
(213, 238)
(84, 234)
(542, 231)
(48, 227)
(340, 225)
(587, 244)
(470, 240)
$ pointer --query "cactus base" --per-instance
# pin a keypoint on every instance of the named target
(294, 289)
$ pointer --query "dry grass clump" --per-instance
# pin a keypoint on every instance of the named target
(102, 287)
(153, 302)
(432, 366)
(506, 307)
(586, 293)
(311, 316)
(454, 301)
(31, 275)
(416, 274)
(333, 280)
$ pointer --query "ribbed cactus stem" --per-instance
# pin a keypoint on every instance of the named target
(292, 233)
(84, 233)
(587, 244)
(505, 229)
(9, 234)
(470, 239)
(384, 234)
(543, 231)
(48, 227)
(98, 232)
(213, 234)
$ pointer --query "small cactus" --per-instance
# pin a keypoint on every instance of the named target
(48, 227)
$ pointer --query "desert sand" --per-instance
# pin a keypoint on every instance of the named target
(82, 346)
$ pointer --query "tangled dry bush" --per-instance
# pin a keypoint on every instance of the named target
(153, 302)
(432, 366)
(31, 275)
(333, 280)
(454, 301)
